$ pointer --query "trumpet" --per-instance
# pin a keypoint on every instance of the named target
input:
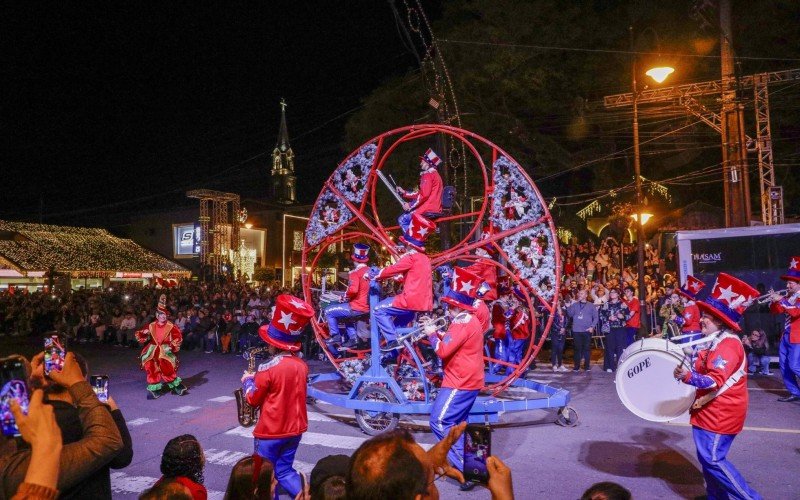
(767, 297)
(417, 333)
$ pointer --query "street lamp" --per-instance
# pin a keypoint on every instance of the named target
(659, 74)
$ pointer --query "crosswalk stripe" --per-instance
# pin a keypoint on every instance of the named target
(139, 421)
(224, 457)
(185, 409)
(123, 483)
(319, 417)
(222, 399)
(317, 439)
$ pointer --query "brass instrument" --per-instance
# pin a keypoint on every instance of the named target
(767, 297)
(248, 415)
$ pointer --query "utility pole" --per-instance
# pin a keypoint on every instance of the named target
(734, 152)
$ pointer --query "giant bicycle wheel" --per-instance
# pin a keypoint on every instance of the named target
(355, 205)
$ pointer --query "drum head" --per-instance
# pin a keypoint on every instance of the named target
(646, 386)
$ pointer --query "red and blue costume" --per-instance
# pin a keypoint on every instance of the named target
(720, 407)
(427, 200)
(789, 349)
(357, 295)
(461, 352)
(415, 269)
(278, 388)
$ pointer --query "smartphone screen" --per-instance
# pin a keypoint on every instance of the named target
(477, 448)
(55, 349)
(12, 386)
(100, 387)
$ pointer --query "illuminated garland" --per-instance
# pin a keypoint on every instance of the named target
(589, 210)
(514, 202)
(350, 178)
(81, 252)
(531, 253)
(329, 216)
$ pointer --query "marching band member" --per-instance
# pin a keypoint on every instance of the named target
(719, 374)
(279, 389)
(789, 350)
(162, 340)
(518, 329)
(415, 268)
(461, 351)
(357, 295)
(689, 319)
(427, 200)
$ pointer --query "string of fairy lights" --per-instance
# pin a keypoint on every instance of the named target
(79, 252)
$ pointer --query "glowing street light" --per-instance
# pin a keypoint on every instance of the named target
(660, 73)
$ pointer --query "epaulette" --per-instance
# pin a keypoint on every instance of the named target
(269, 364)
(462, 318)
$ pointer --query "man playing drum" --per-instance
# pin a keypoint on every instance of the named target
(719, 376)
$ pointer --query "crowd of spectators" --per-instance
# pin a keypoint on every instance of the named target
(70, 441)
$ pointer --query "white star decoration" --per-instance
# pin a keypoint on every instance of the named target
(727, 294)
(466, 286)
(695, 285)
(423, 231)
(793, 264)
(286, 320)
(687, 315)
(298, 303)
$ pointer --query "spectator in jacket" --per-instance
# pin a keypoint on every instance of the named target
(756, 345)
(558, 336)
(583, 315)
(98, 485)
(100, 443)
(183, 461)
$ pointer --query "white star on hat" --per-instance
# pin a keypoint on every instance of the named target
(793, 264)
(695, 285)
(466, 286)
(298, 303)
(423, 231)
(727, 294)
(286, 320)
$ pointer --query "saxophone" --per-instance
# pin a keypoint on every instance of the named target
(248, 414)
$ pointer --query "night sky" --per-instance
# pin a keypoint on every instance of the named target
(123, 108)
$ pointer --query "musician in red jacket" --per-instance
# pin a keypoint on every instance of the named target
(162, 340)
(485, 268)
(415, 269)
(427, 200)
(357, 297)
(789, 349)
(461, 351)
(719, 373)
(689, 319)
(279, 389)
(518, 329)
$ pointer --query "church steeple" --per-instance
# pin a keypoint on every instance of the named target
(283, 179)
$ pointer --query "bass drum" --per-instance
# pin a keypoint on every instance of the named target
(645, 381)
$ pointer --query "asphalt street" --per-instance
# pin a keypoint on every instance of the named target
(548, 461)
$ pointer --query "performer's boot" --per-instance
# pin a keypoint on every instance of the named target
(180, 390)
(156, 392)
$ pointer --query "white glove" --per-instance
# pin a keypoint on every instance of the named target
(429, 328)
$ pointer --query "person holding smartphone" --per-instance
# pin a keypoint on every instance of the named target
(161, 340)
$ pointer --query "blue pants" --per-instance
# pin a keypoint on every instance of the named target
(789, 356)
(280, 452)
(762, 362)
(722, 479)
(450, 408)
(334, 312)
(516, 348)
(387, 318)
(630, 335)
(501, 352)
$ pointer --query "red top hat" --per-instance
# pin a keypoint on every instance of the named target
(488, 247)
(290, 317)
(793, 274)
(360, 252)
(691, 288)
(431, 158)
(728, 300)
(464, 289)
(418, 230)
(162, 305)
